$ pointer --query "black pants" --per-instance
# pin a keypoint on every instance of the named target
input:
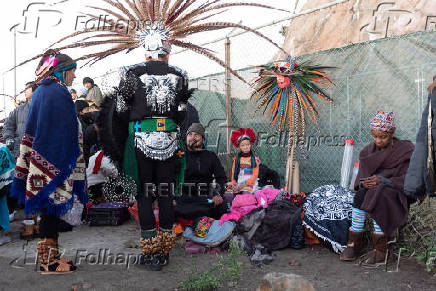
(12, 204)
(160, 175)
(193, 207)
(48, 226)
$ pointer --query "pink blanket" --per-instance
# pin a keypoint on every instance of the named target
(245, 203)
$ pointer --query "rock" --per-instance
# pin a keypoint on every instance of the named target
(130, 244)
(284, 282)
(294, 263)
(86, 285)
(355, 21)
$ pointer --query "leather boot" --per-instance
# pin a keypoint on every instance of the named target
(378, 256)
(28, 229)
(354, 246)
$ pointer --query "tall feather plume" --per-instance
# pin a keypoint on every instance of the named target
(208, 54)
(110, 12)
(118, 5)
(150, 9)
(173, 8)
(220, 25)
(142, 8)
(180, 18)
(289, 108)
(165, 7)
(179, 11)
(207, 9)
(157, 9)
(193, 21)
(134, 8)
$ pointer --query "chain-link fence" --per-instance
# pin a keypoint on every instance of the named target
(389, 74)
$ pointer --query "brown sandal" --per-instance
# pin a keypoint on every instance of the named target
(57, 267)
(63, 260)
(50, 259)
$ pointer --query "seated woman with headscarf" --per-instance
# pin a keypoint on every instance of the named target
(379, 185)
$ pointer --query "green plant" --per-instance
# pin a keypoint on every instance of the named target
(428, 256)
(418, 236)
(227, 269)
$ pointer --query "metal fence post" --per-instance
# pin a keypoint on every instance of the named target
(228, 108)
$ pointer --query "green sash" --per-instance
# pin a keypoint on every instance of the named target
(130, 165)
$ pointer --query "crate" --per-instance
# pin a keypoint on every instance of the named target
(105, 214)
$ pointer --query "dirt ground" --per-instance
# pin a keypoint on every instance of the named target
(317, 264)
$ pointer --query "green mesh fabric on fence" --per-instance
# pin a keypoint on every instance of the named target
(389, 74)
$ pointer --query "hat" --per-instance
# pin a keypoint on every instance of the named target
(80, 105)
(242, 134)
(382, 121)
(197, 128)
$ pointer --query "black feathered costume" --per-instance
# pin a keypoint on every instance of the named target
(139, 131)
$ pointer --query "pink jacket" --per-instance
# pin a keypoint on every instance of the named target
(245, 203)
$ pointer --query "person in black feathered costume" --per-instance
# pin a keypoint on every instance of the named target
(139, 130)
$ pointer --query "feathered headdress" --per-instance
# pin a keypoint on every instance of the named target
(284, 91)
(155, 25)
(241, 134)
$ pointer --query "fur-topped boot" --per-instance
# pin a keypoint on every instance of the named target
(168, 242)
(151, 245)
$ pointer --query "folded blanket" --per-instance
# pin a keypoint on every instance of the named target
(215, 236)
(328, 212)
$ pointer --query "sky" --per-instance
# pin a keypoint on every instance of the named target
(39, 23)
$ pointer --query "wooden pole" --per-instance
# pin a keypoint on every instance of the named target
(228, 109)
(290, 161)
(15, 62)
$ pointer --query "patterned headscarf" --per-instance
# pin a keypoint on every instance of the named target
(383, 121)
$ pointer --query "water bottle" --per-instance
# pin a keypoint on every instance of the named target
(353, 179)
(346, 163)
